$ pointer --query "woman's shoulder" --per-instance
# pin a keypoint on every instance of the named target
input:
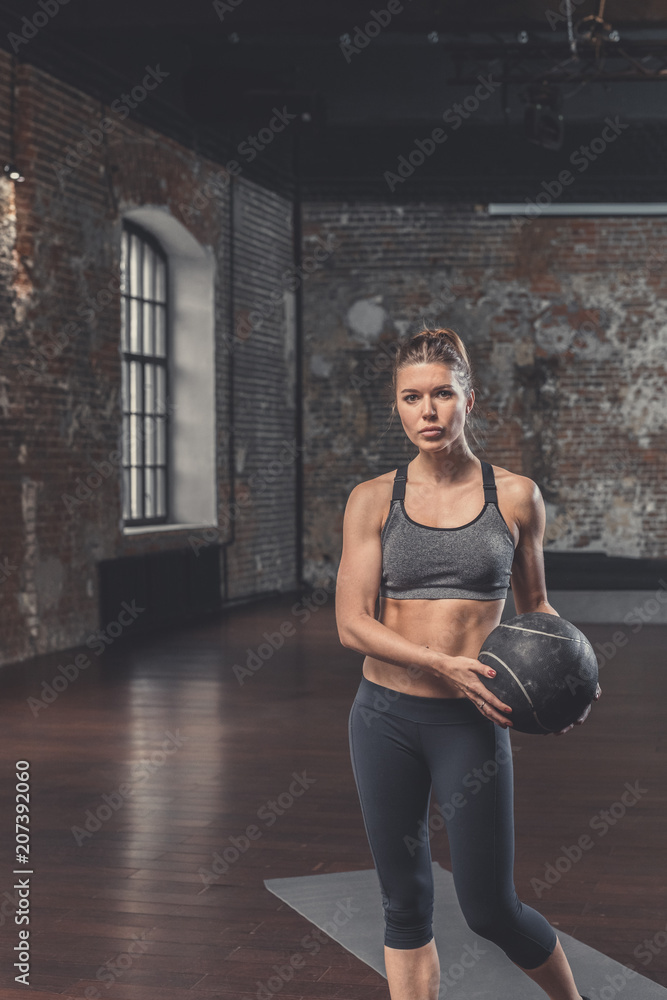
(373, 495)
(518, 490)
(385, 477)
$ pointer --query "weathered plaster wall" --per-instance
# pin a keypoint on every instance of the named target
(566, 322)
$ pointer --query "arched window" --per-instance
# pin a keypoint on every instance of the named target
(145, 377)
(167, 353)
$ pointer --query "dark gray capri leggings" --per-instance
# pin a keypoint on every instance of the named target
(401, 745)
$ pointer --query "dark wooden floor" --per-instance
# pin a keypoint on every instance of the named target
(125, 914)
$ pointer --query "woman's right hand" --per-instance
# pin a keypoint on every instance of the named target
(464, 672)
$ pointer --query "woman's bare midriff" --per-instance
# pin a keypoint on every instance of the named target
(453, 626)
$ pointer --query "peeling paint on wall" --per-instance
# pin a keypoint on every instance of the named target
(49, 581)
(28, 595)
(366, 319)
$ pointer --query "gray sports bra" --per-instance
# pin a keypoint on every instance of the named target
(421, 562)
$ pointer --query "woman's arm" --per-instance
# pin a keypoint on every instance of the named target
(358, 585)
(529, 588)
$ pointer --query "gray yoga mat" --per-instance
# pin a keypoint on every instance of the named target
(348, 908)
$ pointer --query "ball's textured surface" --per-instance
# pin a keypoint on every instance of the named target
(546, 670)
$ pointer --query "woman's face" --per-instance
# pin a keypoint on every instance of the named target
(429, 396)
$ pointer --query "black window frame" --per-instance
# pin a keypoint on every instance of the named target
(143, 359)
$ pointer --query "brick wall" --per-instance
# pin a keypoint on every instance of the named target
(566, 322)
(60, 372)
(564, 319)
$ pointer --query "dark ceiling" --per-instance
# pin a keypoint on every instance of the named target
(331, 16)
(363, 97)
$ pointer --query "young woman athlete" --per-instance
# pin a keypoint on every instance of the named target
(422, 718)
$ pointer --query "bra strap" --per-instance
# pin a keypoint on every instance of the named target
(490, 491)
(400, 480)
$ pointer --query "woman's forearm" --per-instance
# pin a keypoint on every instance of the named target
(369, 636)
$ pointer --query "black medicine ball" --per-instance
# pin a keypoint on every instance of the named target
(546, 671)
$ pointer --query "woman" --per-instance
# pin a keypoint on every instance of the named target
(422, 716)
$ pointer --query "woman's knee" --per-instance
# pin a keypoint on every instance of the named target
(524, 935)
(488, 927)
(408, 919)
(489, 920)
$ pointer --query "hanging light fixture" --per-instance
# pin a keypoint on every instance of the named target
(13, 174)
(543, 119)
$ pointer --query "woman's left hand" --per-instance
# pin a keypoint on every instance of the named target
(583, 717)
